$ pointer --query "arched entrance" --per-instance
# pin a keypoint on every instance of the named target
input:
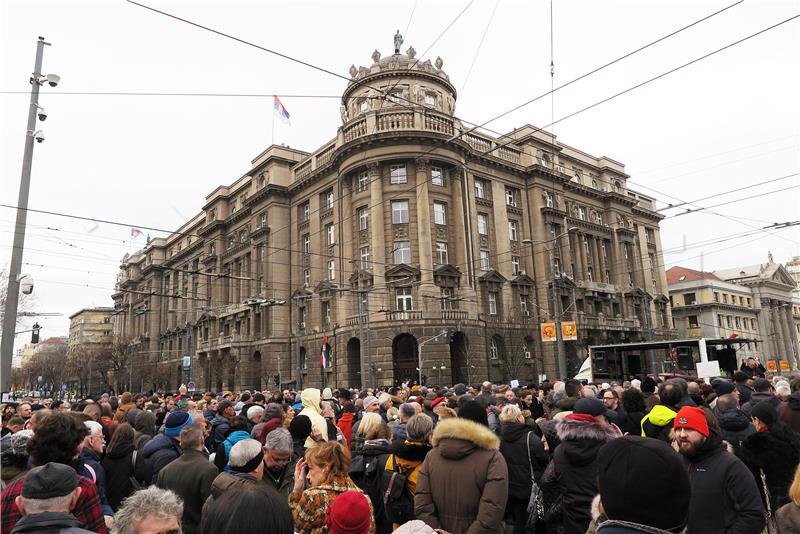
(460, 366)
(353, 363)
(404, 358)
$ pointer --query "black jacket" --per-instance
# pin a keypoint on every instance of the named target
(49, 523)
(725, 497)
(756, 397)
(514, 442)
(789, 412)
(632, 424)
(777, 453)
(119, 468)
(734, 427)
(744, 393)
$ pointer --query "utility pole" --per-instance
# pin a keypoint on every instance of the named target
(12, 295)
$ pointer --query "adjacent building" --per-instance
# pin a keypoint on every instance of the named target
(408, 244)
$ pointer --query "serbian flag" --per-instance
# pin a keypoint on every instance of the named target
(323, 355)
(135, 232)
(281, 111)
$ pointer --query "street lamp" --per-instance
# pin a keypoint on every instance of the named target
(555, 312)
(12, 294)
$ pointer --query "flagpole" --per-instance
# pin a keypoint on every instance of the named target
(272, 140)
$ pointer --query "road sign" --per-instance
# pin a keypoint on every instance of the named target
(191, 386)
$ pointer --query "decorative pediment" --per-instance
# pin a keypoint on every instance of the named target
(447, 276)
(493, 277)
(523, 280)
(782, 276)
(661, 299)
(362, 275)
(206, 317)
(325, 286)
(639, 292)
(303, 292)
(402, 270)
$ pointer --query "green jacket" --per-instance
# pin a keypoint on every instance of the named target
(658, 422)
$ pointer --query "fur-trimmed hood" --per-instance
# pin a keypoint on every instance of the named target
(569, 430)
(457, 437)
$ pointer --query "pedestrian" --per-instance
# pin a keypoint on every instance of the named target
(462, 484)
(367, 424)
(49, 494)
(125, 403)
(310, 397)
(254, 415)
(14, 455)
(643, 487)
(189, 477)
(246, 467)
(327, 467)
(210, 409)
(119, 466)
(149, 511)
(220, 425)
(88, 464)
(164, 448)
(632, 402)
(238, 430)
(407, 456)
(734, 425)
(145, 429)
(789, 411)
(345, 423)
(349, 513)
(658, 422)
(278, 461)
(730, 498)
(300, 429)
(762, 392)
(247, 509)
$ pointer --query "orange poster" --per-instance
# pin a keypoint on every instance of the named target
(548, 331)
(569, 331)
(772, 366)
(785, 365)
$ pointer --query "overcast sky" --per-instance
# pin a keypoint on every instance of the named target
(726, 122)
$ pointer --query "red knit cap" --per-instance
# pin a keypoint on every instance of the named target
(435, 402)
(349, 513)
(692, 418)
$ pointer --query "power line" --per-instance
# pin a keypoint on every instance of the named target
(478, 49)
(671, 206)
(689, 212)
(159, 93)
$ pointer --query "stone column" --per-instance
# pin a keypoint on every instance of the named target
(377, 238)
(424, 237)
(785, 323)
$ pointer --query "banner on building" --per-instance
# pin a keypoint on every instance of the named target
(772, 366)
(785, 366)
(549, 332)
(569, 331)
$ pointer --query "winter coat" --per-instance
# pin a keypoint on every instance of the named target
(399, 431)
(312, 409)
(515, 439)
(744, 393)
(725, 497)
(118, 465)
(572, 474)
(224, 449)
(658, 422)
(760, 396)
(493, 417)
(345, 424)
(308, 508)
(632, 424)
(224, 482)
(285, 481)
(88, 465)
(208, 415)
(777, 453)
(220, 428)
(190, 476)
(122, 411)
(159, 452)
(50, 523)
(789, 412)
(612, 526)
(734, 427)
(462, 485)
(566, 404)
(788, 518)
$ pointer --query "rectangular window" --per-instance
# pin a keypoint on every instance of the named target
(402, 252)
(728, 321)
(327, 199)
(719, 321)
(441, 253)
(363, 218)
(446, 299)
(511, 197)
(306, 243)
(400, 212)
(397, 174)
(512, 231)
(306, 277)
(262, 220)
(485, 260)
(598, 219)
(524, 308)
(590, 274)
(363, 106)
(492, 302)
(439, 213)
(365, 258)
(329, 232)
(604, 250)
(737, 322)
(437, 177)
(363, 181)
(331, 269)
(483, 224)
(607, 279)
(716, 296)
(363, 303)
(305, 211)
(326, 313)
(693, 321)
(556, 267)
(480, 188)
(689, 299)
(515, 270)
(430, 99)
(404, 299)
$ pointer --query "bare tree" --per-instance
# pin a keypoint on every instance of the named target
(26, 302)
(46, 368)
(114, 363)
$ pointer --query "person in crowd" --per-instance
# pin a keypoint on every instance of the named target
(334, 434)
(118, 464)
(787, 517)
(368, 422)
(246, 467)
(49, 494)
(614, 410)
(238, 431)
(254, 415)
(247, 509)
(88, 465)
(125, 403)
(36, 418)
(328, 465)
(300, 429)
(273, 415)
(572, 391)
(220, 425)
(407, 454)
(310, 397)
(526, 459)
(14, 455)
(327, 396)
(406, 412)
(740, 380)
(571, 477)
(632, 401)
(345, 423)
(149, 511)
(462, 484)
(773, 449)
(762, 392)
(789, 411)
(164, 448)
(734, 425)
(210, 409)
(629, 486)
(696, 394)
(278, 462)
(190, 477)
(24, 410)
(730, 498)
(349, 513)
(94, 411)
(57, 439)
(658, 422)
(753, 368)
(14, 425)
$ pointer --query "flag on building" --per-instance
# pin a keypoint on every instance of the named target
(281, 111)
(323, 355)
(135, 232)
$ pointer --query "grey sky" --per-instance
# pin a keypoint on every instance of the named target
(723, 123)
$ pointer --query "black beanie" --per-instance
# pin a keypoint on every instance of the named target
(648, 385)
(474, 411)
(643, 480)
(300, 427)
(765, 412)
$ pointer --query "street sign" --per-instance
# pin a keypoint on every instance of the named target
(191, 386)
(569, 331)
(187, 362)
(549, 332)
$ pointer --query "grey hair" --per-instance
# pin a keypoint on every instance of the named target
(53, 504)
(419, 427)
(254, 411)
(191, 437)
(94, 427)
(151, 502)
(244, 451)
(279, 440)
(407, 410)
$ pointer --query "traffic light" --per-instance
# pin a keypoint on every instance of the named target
(35, 333)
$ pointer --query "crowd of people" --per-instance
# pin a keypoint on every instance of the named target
(646, 455)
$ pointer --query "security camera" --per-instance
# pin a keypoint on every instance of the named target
(53, 79)
(39, 136)
(42, 114)
(25, 284)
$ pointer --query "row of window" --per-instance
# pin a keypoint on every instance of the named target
(732, 299)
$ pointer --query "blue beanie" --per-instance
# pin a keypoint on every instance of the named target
(176, 421)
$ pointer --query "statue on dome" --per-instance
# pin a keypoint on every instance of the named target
(398, 42)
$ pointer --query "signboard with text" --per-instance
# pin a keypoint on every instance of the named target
(772, 366)
(569, 331)
(785, 366)
(549, 332)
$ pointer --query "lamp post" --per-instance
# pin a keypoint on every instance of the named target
(12, 295)
(555, 312)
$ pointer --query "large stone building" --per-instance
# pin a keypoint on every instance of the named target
(90, 341)
(406, 224)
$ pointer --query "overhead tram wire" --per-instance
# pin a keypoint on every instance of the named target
(478, 50)
(673, 206)
(702, 208)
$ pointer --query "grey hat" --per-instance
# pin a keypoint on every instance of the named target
(459, 389)
(369, 400)
(49, 480)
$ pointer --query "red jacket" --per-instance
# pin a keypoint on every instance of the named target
(345, 424)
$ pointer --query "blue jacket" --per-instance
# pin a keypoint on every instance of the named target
(224, 448)
(158, 452)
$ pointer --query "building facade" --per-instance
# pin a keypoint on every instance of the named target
(408, 244)
(88, 346)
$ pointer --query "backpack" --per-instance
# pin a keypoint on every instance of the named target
(366, 471)
(396, 499)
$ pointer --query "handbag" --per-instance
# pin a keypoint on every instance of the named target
(535, 504)
(770, 526)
